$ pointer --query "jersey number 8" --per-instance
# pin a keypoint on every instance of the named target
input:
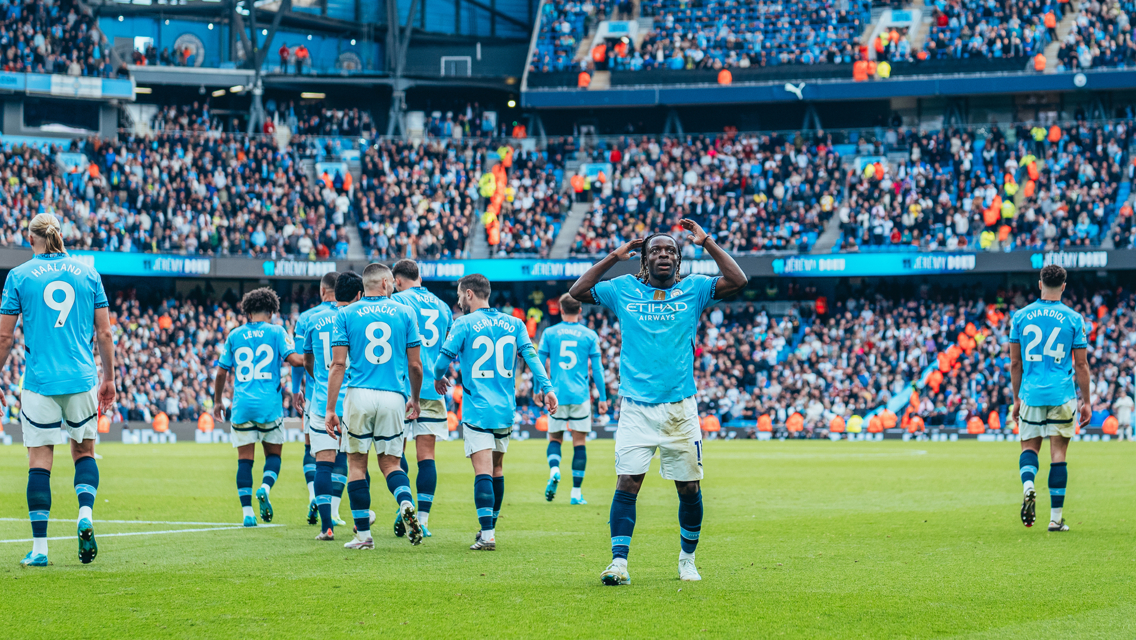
(1052, 347)
(246, 370)
(490, 351)
(380, 341)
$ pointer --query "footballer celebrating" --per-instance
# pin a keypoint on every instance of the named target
(569, 347)
(255, 352)
(487, 342)
(375, 345)
(64, 307)
(434, 320)
(658, 316)
(1049, 368)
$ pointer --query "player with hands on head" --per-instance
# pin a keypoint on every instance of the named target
(658, 314)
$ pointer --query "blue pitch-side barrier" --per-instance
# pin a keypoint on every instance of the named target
(830, 90)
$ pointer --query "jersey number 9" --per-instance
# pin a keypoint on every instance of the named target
(1052, 348)
(246, 370)
(64, 306)
(490, 351)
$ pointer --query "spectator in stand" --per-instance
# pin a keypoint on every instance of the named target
(58, 38)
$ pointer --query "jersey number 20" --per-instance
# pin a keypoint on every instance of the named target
(491, 350)
(1052, 347)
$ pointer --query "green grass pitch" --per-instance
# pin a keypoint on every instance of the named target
(800, 539)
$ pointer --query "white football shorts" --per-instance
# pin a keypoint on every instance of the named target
(374, 416)
(478, 439)
(46, 418)
(572, 417)
(254, 432)
(671, 428)
(320, 439)
(1043, 422)
(431, 420)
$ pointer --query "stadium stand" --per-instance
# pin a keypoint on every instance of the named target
(967, 29)
(755, 193)
(60, 38)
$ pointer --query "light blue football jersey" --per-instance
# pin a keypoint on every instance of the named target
(377, 331)
(1047, 331)
(487, 342)
(254, 353)
(434, 321)
(320, 327)
(656, 361)
(57, 296)
(571, 346)
(298, 336)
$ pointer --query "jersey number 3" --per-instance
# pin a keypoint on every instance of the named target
(1052, 348)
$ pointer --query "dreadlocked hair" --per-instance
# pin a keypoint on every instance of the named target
(644, 275)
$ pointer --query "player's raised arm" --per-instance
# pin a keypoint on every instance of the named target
(733, 278)
(582, 288)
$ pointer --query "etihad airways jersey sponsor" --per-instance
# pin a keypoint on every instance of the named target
(656, 362)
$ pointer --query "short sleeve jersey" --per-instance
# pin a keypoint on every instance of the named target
(434, 321)
(570, 346)
(57, 296)
(656, 360)
(317, 341)
(486, 343)
(254, 353)
(299, 334)
(1047, 332)
(377, 331)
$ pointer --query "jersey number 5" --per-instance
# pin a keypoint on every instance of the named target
(493, 350)
(569, 357)
(1052, 347)
(64, 307)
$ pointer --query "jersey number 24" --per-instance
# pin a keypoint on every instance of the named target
(1052, 348)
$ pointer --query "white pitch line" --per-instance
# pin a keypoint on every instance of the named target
(195, 524)
(153, 533)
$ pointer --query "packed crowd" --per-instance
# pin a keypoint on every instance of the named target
(713, 34)
(1101, 36)
(193, 117)
(175, 193)
(563, 25)
(865, 352)
(1002, 29)
(1042, 189)
(754, 193)
(316, 120)
(40, 36)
